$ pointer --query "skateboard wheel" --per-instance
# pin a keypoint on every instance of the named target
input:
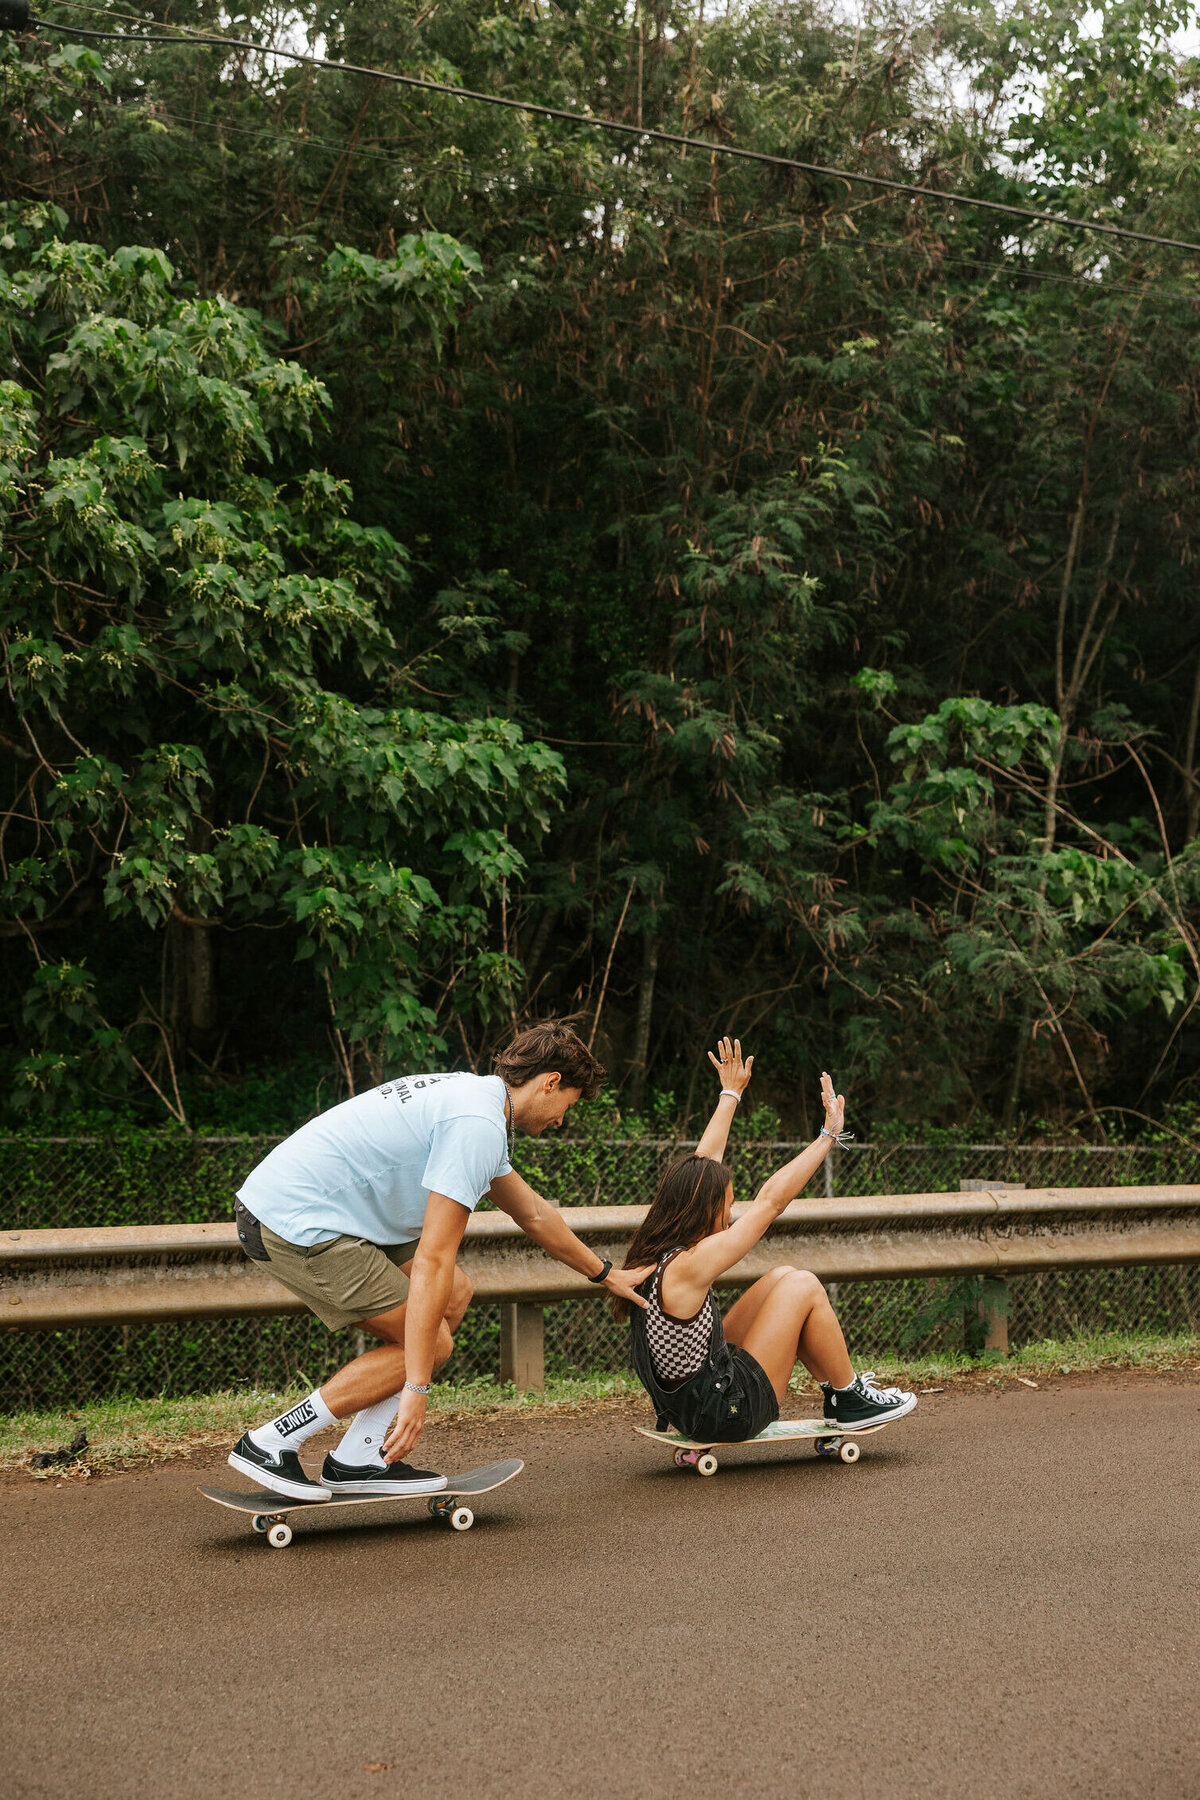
(280, 1535)
(462, 1518)
(686, 1459)
(849, 1453)
(825, 1447)
(706, 1464)
(437, 1508)
(260, 1522)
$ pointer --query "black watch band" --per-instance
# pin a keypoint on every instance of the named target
(602, 1274)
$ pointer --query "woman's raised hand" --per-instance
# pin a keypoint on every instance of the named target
(734, 1073)
(835, 1106)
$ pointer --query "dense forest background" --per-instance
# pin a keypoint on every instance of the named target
(459, 567)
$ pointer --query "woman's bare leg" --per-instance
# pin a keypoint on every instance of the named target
(742, 1314)
(741, 1317)
(795, 1322)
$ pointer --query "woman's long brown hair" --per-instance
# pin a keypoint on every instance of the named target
(688, 1206)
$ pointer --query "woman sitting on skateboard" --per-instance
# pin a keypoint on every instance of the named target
(720, 1384)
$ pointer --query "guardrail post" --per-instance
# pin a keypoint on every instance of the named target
(522, 1347)
(991, 1309)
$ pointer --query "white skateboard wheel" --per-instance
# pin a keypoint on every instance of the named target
(280, 1535)
(849, 1453)
(260, 1521)
(706, 1464)
(462, 1518)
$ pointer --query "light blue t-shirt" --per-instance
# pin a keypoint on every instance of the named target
(366, 1168)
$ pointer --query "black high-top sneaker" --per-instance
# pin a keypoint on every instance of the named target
(864, 1403)
(376, 1478)
(827, 1389)
(277, 1469)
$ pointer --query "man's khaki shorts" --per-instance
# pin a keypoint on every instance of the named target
(344, 1281)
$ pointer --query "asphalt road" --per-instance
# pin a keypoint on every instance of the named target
(1001, 1599)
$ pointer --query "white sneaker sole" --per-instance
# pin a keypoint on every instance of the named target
(277, 1484)
(882, 1418)
(388, 1489)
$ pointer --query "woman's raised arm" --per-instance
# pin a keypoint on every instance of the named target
(784, 1185)
(695, 1270)
(735, 1078)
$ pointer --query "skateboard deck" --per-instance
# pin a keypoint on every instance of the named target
(826, 1439)
(268, 1509)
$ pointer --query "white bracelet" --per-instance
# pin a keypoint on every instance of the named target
(730, 1094)
(839, 1137)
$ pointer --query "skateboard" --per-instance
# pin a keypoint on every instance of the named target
(827, 1440)
(269, 1518)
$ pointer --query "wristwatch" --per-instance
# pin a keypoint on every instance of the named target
(602, 1274)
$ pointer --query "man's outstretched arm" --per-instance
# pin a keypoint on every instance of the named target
(544, 1223)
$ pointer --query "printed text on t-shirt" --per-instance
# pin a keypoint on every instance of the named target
(408, 1088)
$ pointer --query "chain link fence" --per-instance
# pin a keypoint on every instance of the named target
(147, 1179)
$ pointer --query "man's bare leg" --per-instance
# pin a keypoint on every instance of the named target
(355, 1393)
(371, 1386)
(376, 1374)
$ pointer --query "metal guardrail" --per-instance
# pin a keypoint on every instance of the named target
(128, 1273)
(52, 1279)
(173, 1309)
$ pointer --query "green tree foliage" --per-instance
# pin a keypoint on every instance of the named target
(841, 541)
(207, 730)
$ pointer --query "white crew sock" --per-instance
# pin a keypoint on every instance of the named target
(362, 1446)
(291, 1429)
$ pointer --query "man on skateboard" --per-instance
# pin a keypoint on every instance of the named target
(360, 1213)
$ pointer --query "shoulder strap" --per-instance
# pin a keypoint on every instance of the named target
(653, 1282)
(662, 1305)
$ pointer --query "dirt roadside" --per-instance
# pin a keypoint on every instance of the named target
(108, 1454)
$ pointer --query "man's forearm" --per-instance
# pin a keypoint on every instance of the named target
(551, 1231)
(429, 1298)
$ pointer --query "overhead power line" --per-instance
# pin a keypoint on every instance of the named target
(413, 161)
(15, 15)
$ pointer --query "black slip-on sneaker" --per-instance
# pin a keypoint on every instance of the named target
(280, 1470)
(374, 1478)
(863, 1403)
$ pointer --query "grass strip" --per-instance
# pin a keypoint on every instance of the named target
(124, 1434)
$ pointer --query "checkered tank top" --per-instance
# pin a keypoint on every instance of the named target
(678, 1347)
